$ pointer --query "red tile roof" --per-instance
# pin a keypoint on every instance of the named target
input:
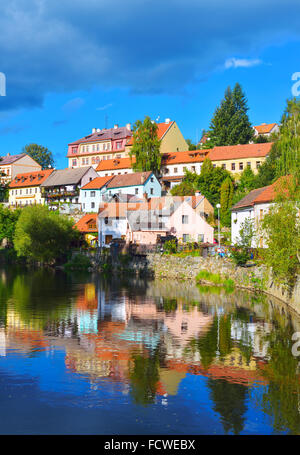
(97, 183)
(116, 163)
(83, 224)
(30, 178)
(265, 128)
(136, 178)
(234, 152)
(193, 156)
(162, 128)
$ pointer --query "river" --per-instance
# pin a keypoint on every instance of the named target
(85, 354)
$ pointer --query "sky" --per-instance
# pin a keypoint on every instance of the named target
(74, 65)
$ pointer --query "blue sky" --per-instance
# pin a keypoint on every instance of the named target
(73, 65)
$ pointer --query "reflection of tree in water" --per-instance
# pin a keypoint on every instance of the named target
(144, 376)
(229, 401)
(280, 398)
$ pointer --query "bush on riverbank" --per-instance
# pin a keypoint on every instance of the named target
(78, 262)
(216, 279)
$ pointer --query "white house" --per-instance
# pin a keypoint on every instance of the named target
(90, 195)
(266, 129)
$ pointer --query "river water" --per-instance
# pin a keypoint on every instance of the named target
(84, 354)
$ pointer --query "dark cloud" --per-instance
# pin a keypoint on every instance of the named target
(147, 47)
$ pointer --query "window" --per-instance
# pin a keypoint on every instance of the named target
(136, 191)
(152, 179)
(241, 166)
(93, 205)
(185, 219)
(214, 165)
(119, 145)
(193, 168)
(85, 194)
(175, 170)
(201, 238)
(257, 164)
(185, 238)
(93, 160)
(151, 190)
(224, 166)
(12, 192)
(74, 162)
(233, 166)
(93, 193)
(83, 206)
(249, 164)
(35, 190)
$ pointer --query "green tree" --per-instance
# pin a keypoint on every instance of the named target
(230, 124)
(40, 154)
(210, 180)
(190, 144)
(241, 254)
(146, 147)
(281, 228)
(185, 188)
(8, 221)
(226, 201)
(43, 235)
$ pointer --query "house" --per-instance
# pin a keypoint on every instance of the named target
(266, 129)
(170, 137)
(100, 145)
(87, 225)
(253, 207)
(63, 186)
(117, 166)
(144, 227)
(137, 183)
(11, 165)
(174, 165)
(90, 195)
(25, 189)
(236, 158)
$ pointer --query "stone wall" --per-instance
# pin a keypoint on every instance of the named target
(176, 268)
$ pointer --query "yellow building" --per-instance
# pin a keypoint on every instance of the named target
(25, 189)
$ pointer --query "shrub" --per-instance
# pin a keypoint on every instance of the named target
(78, 262)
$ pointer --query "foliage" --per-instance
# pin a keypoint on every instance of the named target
(210, 180)
(226, 201)
(146, 146)
(170, 246)
(43, 235)
(230, 124)
(78, 262)
(260, 139)
(185, 188)
(8, 220)
(281, 227)
(144, 376)
(40, 154)
(241, 253)
(209, 276)
(190, 144)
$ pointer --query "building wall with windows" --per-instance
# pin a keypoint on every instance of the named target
(90, 199)
(151, 187)
(236, 166)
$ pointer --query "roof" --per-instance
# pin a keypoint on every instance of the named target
(231, 152)
(265, 128)
(82, 224)
(116, 163)
(97, 183)
(190, 156)
(262, 195)
(9, 159)
(66, 176)
(105, 135)
(162, 128)
(136, 178)
(30, 179)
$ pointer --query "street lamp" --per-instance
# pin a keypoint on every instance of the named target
(219, 241)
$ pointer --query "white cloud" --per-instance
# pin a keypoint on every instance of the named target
(103, 108)
(241, 63)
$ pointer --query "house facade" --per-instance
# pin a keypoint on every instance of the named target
(117, 166)
(90, 195)
(99, 145)
(12, 165)
(266, 129)
(25, 189)
(63, 186)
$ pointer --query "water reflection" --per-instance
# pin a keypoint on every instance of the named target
(146, 340)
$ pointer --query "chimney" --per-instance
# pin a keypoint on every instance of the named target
(98, 130)
(116, 126)
(94, 130)
(8, 154)
(168, 120)
(128, 126)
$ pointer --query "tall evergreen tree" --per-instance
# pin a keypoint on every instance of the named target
(146, 146)
(230, 124)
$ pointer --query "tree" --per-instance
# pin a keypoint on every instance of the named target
(210, 180)
(226, 201)
(190, 144)
(185, 188)
(8, 220)
(43, 235)
(240, 253)
(230, 124)
(281, 228)
(40, 154)
(146, 147)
